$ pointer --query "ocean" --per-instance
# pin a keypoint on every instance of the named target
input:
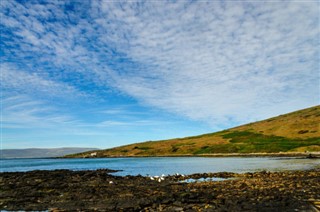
(162, 165)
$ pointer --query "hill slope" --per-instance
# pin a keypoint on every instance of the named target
(293, 132)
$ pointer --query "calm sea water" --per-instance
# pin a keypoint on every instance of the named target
(165, 165)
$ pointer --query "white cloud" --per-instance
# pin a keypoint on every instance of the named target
(26, 122)
(211, 61)
(34, 84)
(23, 112)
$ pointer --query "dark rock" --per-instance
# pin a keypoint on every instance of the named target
(65, 190)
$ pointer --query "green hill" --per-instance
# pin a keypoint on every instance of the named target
(293, 132)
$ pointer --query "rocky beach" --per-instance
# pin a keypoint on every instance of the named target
(99, 190)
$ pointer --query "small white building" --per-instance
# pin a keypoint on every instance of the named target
(93, 154)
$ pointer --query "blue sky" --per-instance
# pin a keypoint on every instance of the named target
(108, 73)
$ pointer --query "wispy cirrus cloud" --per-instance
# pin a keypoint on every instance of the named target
(219, 62)
(22, 112)
(40, 124)
(21, 82)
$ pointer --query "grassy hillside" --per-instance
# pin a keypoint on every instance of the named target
(293, 132)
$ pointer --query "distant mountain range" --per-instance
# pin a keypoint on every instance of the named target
(41, 153)
(293, 132)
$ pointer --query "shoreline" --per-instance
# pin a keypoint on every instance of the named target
(309, 155)
(302, 155)
(99, 190)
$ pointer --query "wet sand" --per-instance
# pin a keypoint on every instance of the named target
(65, 190)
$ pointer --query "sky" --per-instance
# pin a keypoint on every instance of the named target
(102, 74)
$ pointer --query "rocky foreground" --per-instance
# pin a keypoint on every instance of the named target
(64, 190)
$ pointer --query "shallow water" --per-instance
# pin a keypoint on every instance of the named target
(162, 165)
(209, 179)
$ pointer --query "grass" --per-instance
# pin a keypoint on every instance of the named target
(145, 148)
(248, 142)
